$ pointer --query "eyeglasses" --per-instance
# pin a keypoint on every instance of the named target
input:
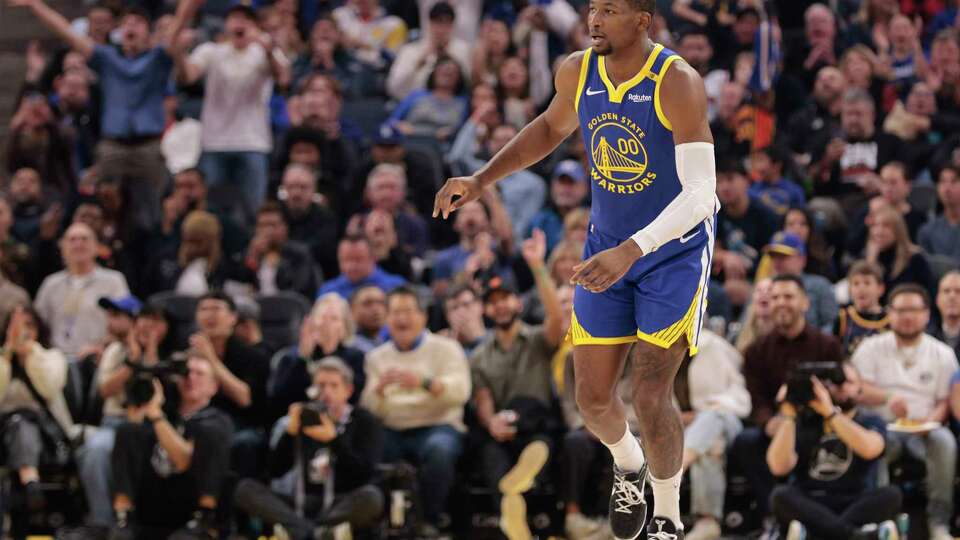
(906, 310)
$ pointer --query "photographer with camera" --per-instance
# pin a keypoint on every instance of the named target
(336, 447)
(906, 379)
(33, 413)
(168, 472)
(145, 345)
(830, 450)
(767, 364)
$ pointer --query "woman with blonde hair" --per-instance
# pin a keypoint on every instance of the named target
(758, 317)
(198, 265)
(889, 245)
(324, 333)
(560, 263)
(575, 225)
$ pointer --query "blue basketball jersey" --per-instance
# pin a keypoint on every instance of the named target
(629, 143)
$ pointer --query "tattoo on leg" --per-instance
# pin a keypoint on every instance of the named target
(661, 430)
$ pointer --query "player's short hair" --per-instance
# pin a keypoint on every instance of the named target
(643, 5)
(866, 268)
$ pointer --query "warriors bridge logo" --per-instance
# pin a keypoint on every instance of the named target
(620, 160)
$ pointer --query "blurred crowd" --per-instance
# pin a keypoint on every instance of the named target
(229, 311)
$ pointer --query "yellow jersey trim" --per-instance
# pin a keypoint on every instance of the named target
(616, 93)
(584, 71)
(656, 92)
(582, 337)
(871, 325)
(684, 327)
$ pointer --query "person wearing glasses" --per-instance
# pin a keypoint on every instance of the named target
(906, 380)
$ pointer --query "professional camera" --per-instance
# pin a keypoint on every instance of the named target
(139, 387)
(311, 412)
(799, 386)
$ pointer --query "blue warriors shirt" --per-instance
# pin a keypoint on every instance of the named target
(629, 141)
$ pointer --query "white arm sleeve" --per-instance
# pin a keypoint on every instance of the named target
(697, 170)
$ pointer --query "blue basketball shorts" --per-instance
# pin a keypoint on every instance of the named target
(662, 298)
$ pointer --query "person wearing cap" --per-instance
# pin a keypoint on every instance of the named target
(788, 256)
(415, 60)
(68, 300)
(146, 343)
(121, 313)
(568, 190)
(513, 387)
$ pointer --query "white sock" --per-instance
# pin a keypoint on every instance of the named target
(666, 497)
(627, 453)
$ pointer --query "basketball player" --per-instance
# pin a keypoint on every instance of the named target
(642, 112)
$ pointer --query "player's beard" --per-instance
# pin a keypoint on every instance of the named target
(605, 50)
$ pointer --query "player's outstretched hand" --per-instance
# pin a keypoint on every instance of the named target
(600, 272)
(467, 188)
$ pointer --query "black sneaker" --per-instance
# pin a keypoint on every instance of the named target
(662, 528)
(628, 508)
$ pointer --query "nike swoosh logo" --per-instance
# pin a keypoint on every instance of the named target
(594, 92)
(685, 239)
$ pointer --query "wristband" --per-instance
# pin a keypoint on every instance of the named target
(832, 415)
(426, 383)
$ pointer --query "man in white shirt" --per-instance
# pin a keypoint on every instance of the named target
(416, 60)
(906, 376)
(68, 300)
(239, 76)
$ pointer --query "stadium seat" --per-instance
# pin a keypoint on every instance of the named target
(368, 113)
(923, 197)
(941, 264)
(280, 316)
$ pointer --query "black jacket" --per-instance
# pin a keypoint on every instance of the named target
(252, 366)
(297, 271)
(355, 453)
(319, 230)
(290, 377)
